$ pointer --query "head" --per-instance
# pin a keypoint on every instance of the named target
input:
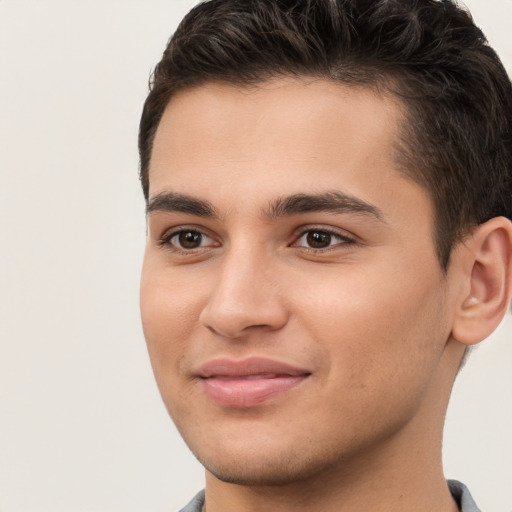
(327, 183)
(456, 136)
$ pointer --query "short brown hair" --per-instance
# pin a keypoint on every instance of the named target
(457, 139)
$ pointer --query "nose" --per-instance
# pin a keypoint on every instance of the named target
(246, 296)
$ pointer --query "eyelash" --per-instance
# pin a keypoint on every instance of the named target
(165, 240)
(344, 239)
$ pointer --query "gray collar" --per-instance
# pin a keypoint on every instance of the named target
(459, 492)
(462, 496)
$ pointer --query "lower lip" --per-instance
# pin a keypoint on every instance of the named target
(232, 392)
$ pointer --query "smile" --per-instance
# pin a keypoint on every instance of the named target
(250, 382)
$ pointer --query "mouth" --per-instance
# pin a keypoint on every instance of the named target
(249, 382)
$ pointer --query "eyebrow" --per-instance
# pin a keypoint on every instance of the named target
(331, 201)
(181, 203)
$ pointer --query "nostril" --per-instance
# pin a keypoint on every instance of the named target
(235, 324)
(241, 301)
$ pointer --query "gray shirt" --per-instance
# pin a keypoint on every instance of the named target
(459, 492)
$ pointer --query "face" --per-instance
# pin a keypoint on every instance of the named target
(292, 302)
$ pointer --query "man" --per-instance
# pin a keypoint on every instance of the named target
(329, 188)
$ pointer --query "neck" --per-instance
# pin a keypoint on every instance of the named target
(382, 482)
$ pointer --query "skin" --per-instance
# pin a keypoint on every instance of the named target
(370, 315)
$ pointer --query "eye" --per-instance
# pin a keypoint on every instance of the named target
(187, 240)
(318, 239)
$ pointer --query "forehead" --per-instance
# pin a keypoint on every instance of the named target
(283, 134)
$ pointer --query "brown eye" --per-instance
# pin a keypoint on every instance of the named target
(189, 239)
(318, 239)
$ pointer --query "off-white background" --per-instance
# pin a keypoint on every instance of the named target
(82, 427)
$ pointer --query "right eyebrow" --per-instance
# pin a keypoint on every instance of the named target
(181, 203)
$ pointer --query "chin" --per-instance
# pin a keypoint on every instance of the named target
(261, 473)
(265, 466)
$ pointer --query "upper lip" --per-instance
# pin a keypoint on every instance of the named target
(225, 367)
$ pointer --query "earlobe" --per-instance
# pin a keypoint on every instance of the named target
(489, 278)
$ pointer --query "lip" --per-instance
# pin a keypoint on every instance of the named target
(248, 382)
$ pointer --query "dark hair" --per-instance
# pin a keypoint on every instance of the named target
(457, 137)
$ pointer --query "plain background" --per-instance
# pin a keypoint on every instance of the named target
(82, 427)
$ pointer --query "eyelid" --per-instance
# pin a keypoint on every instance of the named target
(165, 239)
(341, 234)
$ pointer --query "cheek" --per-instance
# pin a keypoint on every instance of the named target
(169, 312)
(376, 331)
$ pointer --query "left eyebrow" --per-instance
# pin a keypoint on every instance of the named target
(330, 201)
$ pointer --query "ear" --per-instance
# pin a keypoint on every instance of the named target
(488, 275)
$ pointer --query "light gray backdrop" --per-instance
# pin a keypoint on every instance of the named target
(82, 427)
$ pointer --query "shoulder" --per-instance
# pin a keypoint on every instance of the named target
(459, 492)
(196, 504)
(462, 496)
